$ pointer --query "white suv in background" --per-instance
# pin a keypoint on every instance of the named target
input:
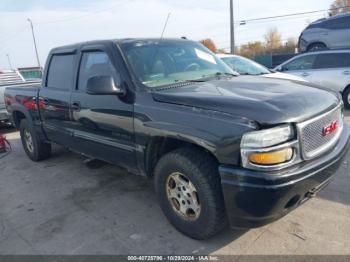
(245, 66)
(330, 69)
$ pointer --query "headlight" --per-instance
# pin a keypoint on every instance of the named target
(267, 137)
(270, 149)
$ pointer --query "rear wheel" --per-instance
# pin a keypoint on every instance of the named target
(35, 148)
(317, 47)
(346, 97)
(188, 188)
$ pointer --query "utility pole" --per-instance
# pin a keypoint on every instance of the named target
(232, 28)
(36, 48)
(8, 59)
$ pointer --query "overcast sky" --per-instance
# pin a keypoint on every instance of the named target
(59, 22)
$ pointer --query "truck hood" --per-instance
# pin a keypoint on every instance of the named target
(266, 101)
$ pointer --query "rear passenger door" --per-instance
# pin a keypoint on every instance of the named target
(54, 97)
(103, 124)
(332, 70)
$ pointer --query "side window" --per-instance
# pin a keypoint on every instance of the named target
(301, 63)
(335, 60)
(338, 23)
(93, 64)
(61, 72)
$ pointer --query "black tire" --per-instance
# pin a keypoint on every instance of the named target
(39, 150)
(317, 47)
(346, 97)
(202, 171)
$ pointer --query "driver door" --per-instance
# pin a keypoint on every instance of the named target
(103, 124)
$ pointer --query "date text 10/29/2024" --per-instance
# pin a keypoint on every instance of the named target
(173, 258)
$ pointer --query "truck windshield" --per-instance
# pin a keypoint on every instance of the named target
(166, 62)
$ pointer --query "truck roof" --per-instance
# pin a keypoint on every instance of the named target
(71, 47)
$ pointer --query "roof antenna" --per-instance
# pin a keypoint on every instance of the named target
(166, 23)
(156, 50)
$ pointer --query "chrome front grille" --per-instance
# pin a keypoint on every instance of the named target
(312, 140)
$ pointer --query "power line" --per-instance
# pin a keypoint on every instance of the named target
(283, 18)
(293, 14)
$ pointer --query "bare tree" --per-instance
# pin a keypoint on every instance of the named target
(251, 49)
(273, 40)
(339, 7)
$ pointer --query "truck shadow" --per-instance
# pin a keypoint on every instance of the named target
(108, 203)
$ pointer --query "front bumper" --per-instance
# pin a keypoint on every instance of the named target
(255, 198)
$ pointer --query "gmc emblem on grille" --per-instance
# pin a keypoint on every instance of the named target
(327, 130)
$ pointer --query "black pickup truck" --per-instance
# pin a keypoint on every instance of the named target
(220, 147)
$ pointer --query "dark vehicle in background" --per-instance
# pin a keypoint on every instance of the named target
(220, 147)
(329, 68)
(328, 33)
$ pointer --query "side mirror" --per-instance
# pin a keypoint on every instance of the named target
(103, 85)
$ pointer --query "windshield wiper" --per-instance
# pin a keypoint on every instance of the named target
(226, 74)
(190, 81)
(204, 78)
(217, 74)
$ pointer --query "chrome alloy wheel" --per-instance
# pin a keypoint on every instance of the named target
(348, 98)
(183, 196)
(28, 140)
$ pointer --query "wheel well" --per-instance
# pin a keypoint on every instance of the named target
(159, 146)
(345, 90)
(315, 43)
(347, 87)
(17, 117)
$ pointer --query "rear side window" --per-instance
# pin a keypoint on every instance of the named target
(301, 63)
(335, 60)
(337, 23)
(94, 64)
(61, 72)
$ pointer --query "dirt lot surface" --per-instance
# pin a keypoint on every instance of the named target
(61, 206)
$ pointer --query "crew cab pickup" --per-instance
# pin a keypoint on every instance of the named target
(220, 147)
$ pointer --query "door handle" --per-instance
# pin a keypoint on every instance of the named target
(305, 74)
(347, 72)
(75, 106)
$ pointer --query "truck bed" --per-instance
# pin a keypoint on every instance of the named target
(20, 95)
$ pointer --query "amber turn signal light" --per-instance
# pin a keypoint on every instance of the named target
(271, 158)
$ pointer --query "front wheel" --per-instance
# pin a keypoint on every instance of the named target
(188, 188)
